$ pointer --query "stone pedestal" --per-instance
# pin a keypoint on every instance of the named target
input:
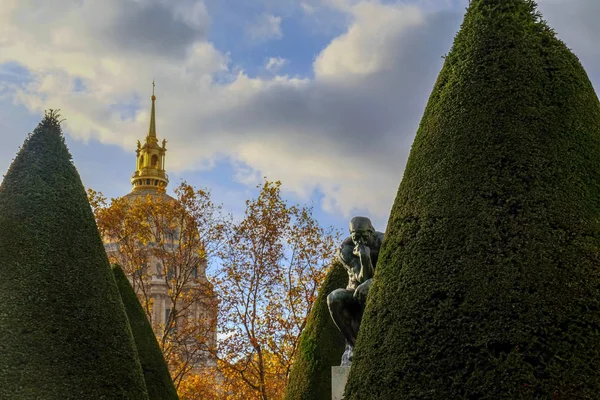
(339, 376)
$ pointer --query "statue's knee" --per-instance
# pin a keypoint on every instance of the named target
(330, 298)
(335, 297)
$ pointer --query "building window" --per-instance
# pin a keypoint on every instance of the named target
(147, 181)
(154, 161)
(167, 313)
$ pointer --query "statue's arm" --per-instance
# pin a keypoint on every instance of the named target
(351, 263)
(366, 270)
(369, 258)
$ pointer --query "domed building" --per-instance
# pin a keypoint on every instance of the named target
(154, 280)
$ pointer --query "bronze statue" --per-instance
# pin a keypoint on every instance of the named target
(359, 254)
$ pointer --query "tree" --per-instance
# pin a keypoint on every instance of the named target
(63, 329)
(204, 385)
(271, 267)
(268, 267)
(156, 373)
(487, 284)
(159, 238)
(321, 345)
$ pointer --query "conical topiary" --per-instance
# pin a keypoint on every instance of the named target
(321, 345)
(63, 329)
(156, 373)
(487, 285)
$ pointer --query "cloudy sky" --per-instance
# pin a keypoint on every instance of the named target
(324, 95)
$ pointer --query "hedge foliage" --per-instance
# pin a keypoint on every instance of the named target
(156, 373)
(321, 345)
(488, 282)
(63, 329)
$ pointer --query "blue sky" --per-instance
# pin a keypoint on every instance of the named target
(324, 95)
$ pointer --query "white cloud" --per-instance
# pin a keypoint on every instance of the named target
(307, 8)
(265, 27)
(363, 49)
(274, 64)
(192, 12)
(347, 131)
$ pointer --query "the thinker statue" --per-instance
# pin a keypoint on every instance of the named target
(359, 254)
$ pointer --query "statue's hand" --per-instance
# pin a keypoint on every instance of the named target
(362, 290)
(362, 251)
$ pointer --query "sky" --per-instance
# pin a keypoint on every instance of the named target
(323, 95)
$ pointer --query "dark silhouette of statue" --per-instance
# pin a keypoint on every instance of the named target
(359, 254)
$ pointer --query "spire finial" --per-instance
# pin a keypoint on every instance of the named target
(152, 128)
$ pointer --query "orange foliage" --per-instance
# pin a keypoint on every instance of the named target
(269, 266)
(204, 385)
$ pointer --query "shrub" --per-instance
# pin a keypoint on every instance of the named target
(487, 285)
(156, 373)
(63, 330)
(321, 345)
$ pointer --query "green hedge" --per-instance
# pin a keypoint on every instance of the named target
(156, 373)
(321, 345)
(63, 329)
(487, 285)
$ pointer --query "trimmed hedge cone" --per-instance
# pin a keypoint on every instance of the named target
(321, 345)
(156, 373)
(487, 285)
(63, 329)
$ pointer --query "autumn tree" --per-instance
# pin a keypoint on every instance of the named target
(272, 264)
(268, 267)
(202, 385)
(160, 239)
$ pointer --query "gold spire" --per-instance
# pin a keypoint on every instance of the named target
(152, 129)
(150, 163)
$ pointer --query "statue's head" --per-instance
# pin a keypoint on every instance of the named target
(361, 230)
